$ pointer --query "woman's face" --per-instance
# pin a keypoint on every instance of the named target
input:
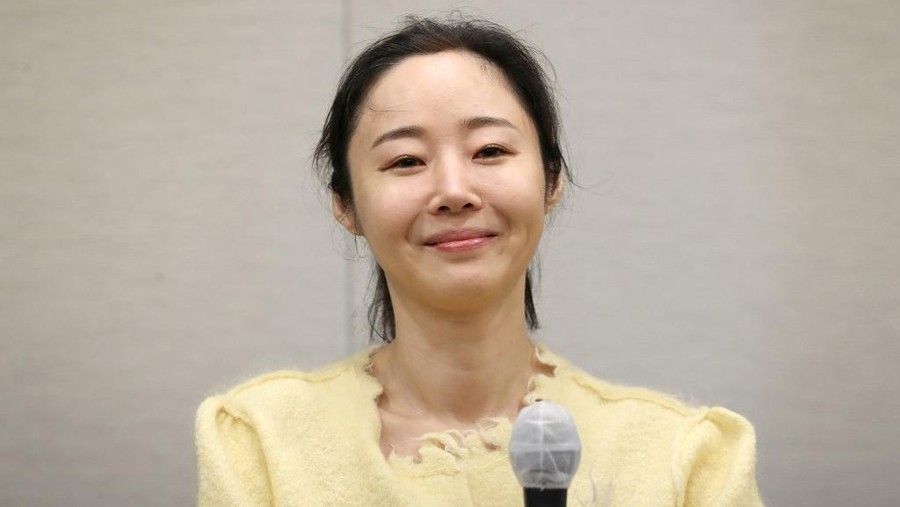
(448, 182)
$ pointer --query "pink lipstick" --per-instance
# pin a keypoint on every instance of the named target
(460, 240)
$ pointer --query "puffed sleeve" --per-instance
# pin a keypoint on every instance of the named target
(715, 464)
(230, 462)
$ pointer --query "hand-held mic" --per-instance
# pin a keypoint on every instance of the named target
(544, 450)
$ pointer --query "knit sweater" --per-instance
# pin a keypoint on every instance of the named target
(312, 439)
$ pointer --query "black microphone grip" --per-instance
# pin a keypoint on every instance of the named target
(535, 497)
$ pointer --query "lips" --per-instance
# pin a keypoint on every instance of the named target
(458, 236)
(460, 240)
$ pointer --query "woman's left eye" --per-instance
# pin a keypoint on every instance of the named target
(492, 151)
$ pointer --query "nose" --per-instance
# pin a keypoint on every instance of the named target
(455, 189)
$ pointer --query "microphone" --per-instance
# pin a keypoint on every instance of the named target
(545, 451)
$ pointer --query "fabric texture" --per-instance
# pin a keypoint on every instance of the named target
(312, 439)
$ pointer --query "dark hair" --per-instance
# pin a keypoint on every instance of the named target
(518, 62)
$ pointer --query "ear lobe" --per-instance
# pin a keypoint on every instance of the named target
(344, 215)
(554, 197)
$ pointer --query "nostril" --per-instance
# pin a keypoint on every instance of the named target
(455, 207)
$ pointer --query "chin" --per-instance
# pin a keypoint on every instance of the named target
(470, 287)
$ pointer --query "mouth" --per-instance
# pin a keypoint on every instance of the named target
(460, 240)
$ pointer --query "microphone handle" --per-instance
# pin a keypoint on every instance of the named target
(535, 497)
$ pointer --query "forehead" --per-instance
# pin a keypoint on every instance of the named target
(425, 89)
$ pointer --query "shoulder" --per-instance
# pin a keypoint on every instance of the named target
(271, 418)
(270, 394)
(707, 454)
(634, 399)
(585, 388)
(644, 407)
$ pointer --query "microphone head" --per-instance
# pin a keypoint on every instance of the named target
(544, 447)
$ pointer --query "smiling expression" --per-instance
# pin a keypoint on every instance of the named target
(448, 182)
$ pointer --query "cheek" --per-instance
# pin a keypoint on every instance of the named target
(386, 212)
(523, 199)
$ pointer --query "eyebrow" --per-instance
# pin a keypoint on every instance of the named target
(473, 123)
(399, 133)
(477, 122)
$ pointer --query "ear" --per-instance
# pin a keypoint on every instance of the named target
(344, 215)
(555, 196)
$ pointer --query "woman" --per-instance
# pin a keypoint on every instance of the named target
(441, 149)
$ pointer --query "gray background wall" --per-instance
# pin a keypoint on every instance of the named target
(734, 240)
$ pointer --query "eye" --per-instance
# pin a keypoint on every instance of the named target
(492, 151)
(405, 162)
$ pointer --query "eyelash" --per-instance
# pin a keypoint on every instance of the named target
(406, 159)
(500, 151)
(410, 161)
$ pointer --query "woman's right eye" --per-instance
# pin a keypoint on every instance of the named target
(405, 162)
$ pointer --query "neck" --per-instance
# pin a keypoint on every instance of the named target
(459, 368)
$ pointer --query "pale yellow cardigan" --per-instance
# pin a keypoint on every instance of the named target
(312, 439)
